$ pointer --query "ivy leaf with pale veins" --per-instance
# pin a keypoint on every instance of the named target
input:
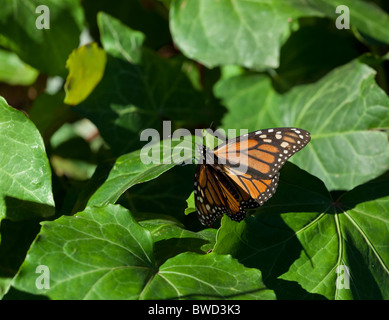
(303, 238)
(344, 111)
(251, 33)
(103, 253)
(25, 174)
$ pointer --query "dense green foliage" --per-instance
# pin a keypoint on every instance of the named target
(78, 202)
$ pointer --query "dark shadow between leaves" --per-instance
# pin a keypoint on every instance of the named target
(363, 283)
(133, 97)
(291, 290)
(268, 243)
(98, 178)
(15, 294)
(17, 209)
(365, 278)
(272, 246)
(165, 195)
(166, 249)
(303, 61)
(369, 191)
(16, 239)
(28, 47)
(106, 109)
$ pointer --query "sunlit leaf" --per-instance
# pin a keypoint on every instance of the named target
(102, 253)
(304, 235)
(25, 175)
(86, 68)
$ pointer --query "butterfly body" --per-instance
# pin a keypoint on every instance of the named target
(243, 173)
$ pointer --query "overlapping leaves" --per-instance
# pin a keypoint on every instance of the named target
(344, 113)
(44, 49)
(102, 253)
(25, 175)
(140, 89)
(307, 235)
(295, 246)
(251, 33)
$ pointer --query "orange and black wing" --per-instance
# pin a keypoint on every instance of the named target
(245, 172)
(216, 195)
(253, 161)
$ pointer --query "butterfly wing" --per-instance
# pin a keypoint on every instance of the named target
(253, 161)
(256, 190)
(246, 172)
(216, 195)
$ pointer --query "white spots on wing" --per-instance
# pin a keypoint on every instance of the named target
(288, 141)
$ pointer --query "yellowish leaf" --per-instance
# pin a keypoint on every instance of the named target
(86, 68)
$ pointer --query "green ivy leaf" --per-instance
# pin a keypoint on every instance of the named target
(171, 238)
(161, 196)
(127, 171)
(140, 89)
(132, 168)
(102, 253)
(303, 61)
(14, 71)
(43, 49)
(364, 16)
(305, 235)
(343, 112)
(25, 175)
(124, 44)
(86, 68)
(192, 276)
(251, 101)
(250, 33)
(190, 204)
(161, 229)
(234, 32)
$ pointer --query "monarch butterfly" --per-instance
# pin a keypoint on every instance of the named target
(242, 173)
